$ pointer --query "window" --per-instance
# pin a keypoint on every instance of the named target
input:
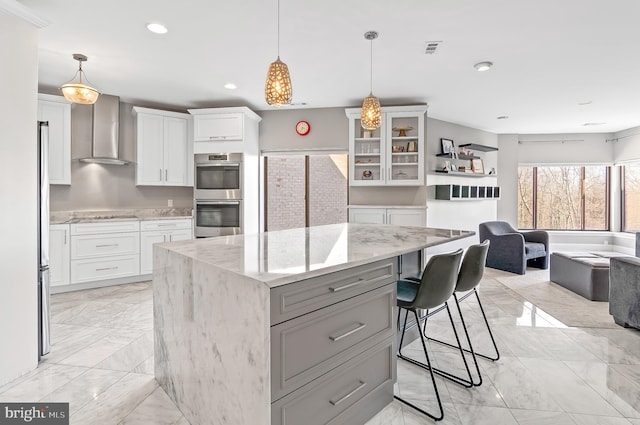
(564, 197)
(631, 198)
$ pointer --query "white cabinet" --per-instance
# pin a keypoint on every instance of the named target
(104, 250)
(59, 243)
(219, 130)
(399, 216)
(218, 126)
(392, 155)
(164, 151)
(159, 231)
(57, 111)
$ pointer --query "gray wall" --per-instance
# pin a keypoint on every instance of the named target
(18, 185)
(98, 186)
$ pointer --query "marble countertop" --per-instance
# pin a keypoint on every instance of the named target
(286, 256)
(66, 217)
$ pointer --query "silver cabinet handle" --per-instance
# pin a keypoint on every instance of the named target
(349, 394)
(347, 286)
(166, 224)
(170, 238)
(160, 174)
(104, 246)
(107, 268)
(166, 174)
(360, 327)
(65, 236)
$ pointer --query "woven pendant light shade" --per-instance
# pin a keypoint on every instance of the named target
(278, 91)
(370, 117)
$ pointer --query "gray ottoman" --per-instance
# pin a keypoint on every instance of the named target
(584, 273)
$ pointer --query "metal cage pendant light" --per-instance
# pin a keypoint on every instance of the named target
(79, 92)
(278, 90)
(370, 117)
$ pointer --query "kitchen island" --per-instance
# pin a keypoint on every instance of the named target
(285, 327)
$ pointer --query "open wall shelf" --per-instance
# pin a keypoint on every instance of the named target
(456, 192)
(479, 148)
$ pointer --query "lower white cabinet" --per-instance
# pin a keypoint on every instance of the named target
(109, 267)
(388, 215)
(159, 231)
(59, 243)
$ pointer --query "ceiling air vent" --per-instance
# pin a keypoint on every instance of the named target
(431, 47)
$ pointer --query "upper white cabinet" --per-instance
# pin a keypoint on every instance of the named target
(392, 155)
(57, 111)
(222, 130)
(398, 216)
(218, 126)
(164, 151)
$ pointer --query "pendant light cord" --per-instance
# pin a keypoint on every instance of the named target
(370, 67)
(278, 20)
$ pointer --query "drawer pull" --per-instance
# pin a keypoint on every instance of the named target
(107, 268)
(105, 246)
(347, 286)
(166, 224)
(360, 327)
(352, 392)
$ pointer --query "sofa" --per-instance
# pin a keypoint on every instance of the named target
(511, 250)
(624, 289)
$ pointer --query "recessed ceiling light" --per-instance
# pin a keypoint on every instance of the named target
(483, 66)
(588, 102)
(230, 86)
(157, 28)
(587, 124)
(503, 117)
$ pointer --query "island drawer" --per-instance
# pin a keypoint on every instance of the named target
(308, 346)
(293, 300)
(351, 393)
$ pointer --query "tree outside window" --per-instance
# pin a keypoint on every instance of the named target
(563, 198)
(631, 198)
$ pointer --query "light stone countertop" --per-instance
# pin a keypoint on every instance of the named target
(286, 256)
(66, 217)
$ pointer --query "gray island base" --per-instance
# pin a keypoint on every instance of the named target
(286, 328)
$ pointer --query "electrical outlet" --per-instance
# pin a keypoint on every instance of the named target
(170, 202)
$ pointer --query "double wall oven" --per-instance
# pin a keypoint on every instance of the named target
(218, 194)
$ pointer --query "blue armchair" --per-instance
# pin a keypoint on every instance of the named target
(511, 250)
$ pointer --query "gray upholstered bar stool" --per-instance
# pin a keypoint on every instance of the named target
(434, 289)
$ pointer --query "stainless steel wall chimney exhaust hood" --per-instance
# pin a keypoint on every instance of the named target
(104, 143)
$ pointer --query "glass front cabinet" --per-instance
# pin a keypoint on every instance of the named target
(392, 155)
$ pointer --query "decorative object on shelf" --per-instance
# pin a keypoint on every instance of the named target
(447, 146)
(79, 92)
(400, 175)
(462, 169)
(396, 148)
(371, 115)
(367, 134)
(402, 131)
(412, 147)
(477, 166)
(278, 90)
(303, 128)
(367, 175)
(447, 166)
(492, 171)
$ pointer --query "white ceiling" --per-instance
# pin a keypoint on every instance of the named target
(549, 56)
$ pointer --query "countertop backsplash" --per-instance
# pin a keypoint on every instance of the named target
(120, 214)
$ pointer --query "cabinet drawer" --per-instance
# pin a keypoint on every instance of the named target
(183, 223)
(289, 301)
(105, 227)
(360, 387)
(90, 270)
(91, 246)
(304, 348)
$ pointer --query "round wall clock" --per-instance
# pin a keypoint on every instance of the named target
(303, 128)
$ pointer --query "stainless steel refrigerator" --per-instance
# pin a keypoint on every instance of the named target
(44, 315)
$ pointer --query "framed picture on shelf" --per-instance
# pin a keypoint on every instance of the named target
(447, 146)
(477, 166)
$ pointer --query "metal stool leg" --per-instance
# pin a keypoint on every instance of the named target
(427, 366)
(466, 332)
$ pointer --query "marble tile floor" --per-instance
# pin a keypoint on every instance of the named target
(549, 373)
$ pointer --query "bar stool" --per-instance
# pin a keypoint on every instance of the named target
(469, 277)
(434, 289)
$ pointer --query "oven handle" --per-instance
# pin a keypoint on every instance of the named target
(221, 164)
(198, 202)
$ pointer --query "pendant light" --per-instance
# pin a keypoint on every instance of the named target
(79, 92)
(370, 117)
(278, 91)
